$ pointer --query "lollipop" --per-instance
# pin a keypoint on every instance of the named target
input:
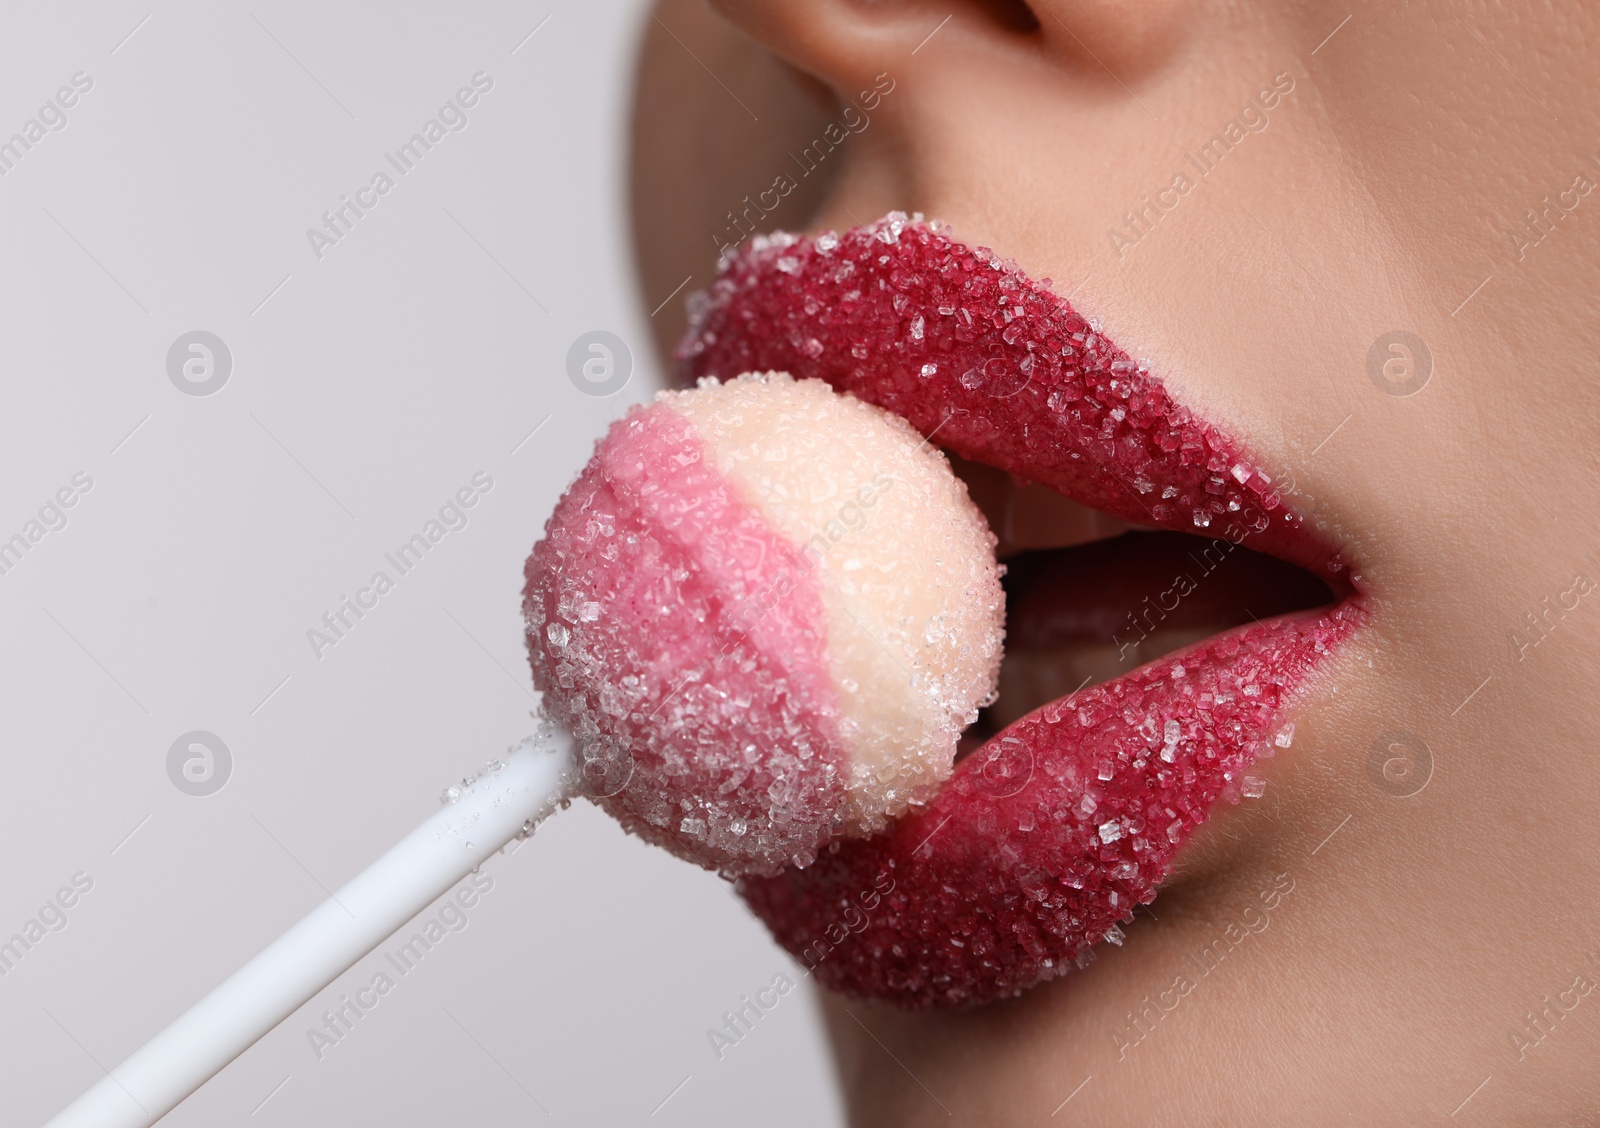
(765, 611)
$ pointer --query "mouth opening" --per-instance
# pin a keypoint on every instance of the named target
(1089, 597)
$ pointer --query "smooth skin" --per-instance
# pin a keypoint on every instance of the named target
(1433, 956)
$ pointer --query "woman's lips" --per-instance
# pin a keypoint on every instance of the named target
(1055, 829)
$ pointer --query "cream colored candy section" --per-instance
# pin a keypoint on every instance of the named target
(902, 558)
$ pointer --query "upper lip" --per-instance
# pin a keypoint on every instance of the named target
(989, 364)
(1018, 380)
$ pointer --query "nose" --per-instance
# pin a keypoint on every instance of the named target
(846, 42)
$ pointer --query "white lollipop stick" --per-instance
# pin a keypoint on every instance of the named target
(493, 809)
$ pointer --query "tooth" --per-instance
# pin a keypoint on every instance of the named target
(1039, 517)
(1025, 515)
(1030, 678)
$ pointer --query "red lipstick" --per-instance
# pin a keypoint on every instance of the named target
(1053, 831)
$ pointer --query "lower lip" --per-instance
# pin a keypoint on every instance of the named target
(1054, 831)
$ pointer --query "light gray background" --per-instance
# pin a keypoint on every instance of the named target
(367, 387)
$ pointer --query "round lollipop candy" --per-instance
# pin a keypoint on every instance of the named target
(765, 611)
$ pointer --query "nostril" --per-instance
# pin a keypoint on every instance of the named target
(1012, 15)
